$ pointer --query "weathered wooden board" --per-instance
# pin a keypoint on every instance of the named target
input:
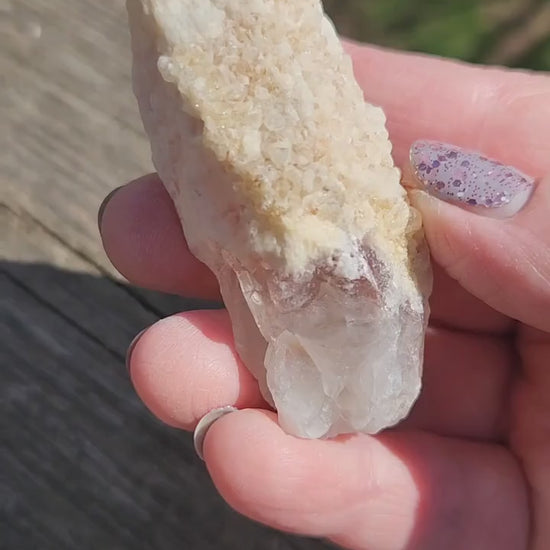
(82, 463)
(71, 131)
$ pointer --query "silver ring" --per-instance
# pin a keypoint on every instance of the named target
(204, 425)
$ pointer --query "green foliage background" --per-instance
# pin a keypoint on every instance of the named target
(508, 32)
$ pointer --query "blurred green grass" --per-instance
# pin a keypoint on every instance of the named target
(515, 33)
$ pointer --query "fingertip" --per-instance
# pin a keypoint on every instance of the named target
(446, 229)
(186, 365)
(424, 202)
(502, 262)
(104, 204)
(143, 238)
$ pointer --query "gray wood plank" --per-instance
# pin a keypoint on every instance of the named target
(70, 130)
(111, 314)
(82, 464)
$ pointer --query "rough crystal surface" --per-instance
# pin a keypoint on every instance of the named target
(283, 179)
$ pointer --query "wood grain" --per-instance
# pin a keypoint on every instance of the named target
(82, 463)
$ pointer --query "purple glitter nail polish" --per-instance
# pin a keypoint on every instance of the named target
(469, 179)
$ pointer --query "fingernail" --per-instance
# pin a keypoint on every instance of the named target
(470, 180)
(131, 348)
(104, 204)
(205, 423)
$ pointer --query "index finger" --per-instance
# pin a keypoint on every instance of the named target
(504, 113)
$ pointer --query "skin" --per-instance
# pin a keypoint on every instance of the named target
(470, 468)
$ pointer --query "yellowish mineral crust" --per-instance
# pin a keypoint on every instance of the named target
(284, 181)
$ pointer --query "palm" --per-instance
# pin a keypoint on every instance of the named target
(458, 473)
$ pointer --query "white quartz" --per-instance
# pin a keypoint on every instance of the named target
(283, 179)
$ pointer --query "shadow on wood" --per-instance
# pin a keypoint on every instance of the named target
(82, 463)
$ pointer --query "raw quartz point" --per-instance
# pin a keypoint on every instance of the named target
(283, 179)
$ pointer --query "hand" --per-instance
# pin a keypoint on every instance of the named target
(470, 468)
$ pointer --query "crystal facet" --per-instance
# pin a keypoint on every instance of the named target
(283, 179)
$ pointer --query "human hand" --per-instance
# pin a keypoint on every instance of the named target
(470, 468)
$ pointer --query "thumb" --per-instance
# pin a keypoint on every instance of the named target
(488, 226)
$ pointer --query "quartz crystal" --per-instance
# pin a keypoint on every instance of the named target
(284, 182)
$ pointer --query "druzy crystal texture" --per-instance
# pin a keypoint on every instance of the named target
(284, 182)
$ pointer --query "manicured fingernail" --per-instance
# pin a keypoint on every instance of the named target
(205, 424)
(131, 348)
(104, 204)
(469, 179)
